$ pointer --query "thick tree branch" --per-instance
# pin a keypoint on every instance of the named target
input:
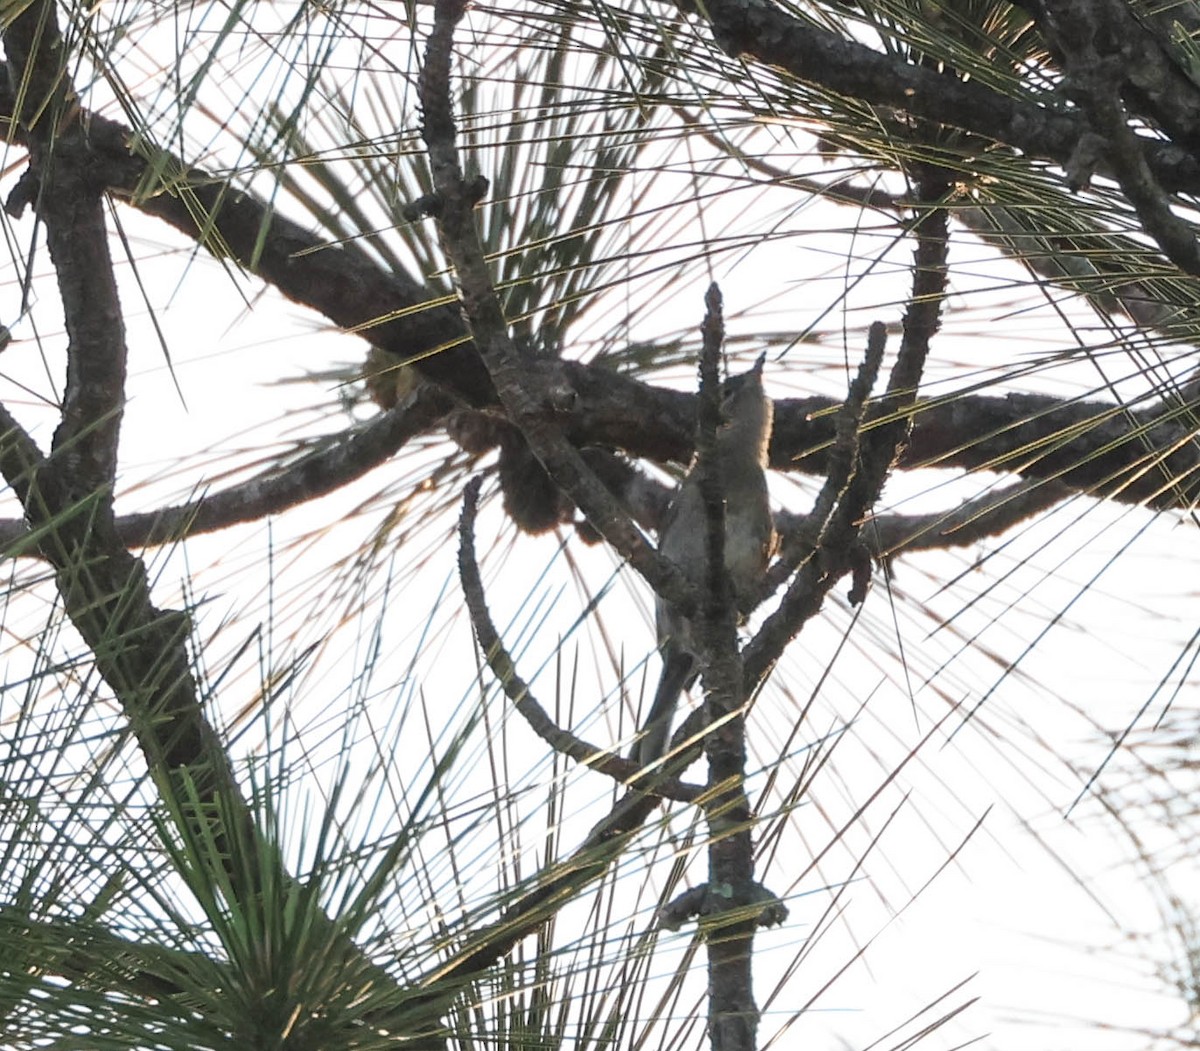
(1040, 127)
(139, 650)
(1150, 70)
(68, 499)
(352, 456)
(1093, 448)
(69, 204)
(1097, 39)
(1089, 446)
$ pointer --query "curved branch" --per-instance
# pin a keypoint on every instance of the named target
(517, 690)
(69, 204)
(839, 548)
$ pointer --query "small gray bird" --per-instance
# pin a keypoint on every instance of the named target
(742, 439)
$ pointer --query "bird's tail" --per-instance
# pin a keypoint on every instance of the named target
(678, 672)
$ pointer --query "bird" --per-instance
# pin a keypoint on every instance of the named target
(742, 439)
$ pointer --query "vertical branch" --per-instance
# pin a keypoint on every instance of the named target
(732, 1013)
(723, 504)
(717, 599)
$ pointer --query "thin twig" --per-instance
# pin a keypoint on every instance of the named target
(842, 464)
